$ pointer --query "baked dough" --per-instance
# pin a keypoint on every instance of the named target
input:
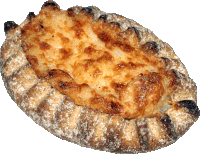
(99, 80)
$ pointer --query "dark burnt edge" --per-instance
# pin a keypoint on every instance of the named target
(87, 9)
(136, 31)
(143, 134)
(190, 107)
(166, 62)
(114, 24)
(70, 12)
(170, 130)
(9, 25)
(155, 45)
(103, 16)
(178, 76)
(30, 16)
(50, 3)
(150, 47)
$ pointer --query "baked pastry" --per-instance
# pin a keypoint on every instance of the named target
(98, 80)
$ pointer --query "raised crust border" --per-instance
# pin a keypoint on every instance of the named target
(59, 115)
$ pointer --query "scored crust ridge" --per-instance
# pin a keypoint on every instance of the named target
(45, 96)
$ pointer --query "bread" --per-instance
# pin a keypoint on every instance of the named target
(93, 111)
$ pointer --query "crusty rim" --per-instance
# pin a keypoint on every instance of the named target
(15, 67)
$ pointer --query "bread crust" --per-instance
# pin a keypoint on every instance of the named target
(88, 127)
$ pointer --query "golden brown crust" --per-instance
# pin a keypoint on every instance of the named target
(42, 96)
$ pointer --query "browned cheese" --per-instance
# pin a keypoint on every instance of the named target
(96, 63)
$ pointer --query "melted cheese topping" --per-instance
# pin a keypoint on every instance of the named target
(96, 63)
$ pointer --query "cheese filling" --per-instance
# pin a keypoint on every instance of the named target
(96, 63)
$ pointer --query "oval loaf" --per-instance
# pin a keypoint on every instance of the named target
(99, 80)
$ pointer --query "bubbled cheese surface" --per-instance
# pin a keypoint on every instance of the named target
(96, 63)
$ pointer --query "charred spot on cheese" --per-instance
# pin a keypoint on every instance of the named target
(117, 86)
(105, 57)
(97, 64)
(41, 26)
(104, 37)
(77, 28)
(64, 40)
(109, 42)
(100, 58)
(116, 107)
(44, 46)
(65, 53)
(90, 50)
(124, 47)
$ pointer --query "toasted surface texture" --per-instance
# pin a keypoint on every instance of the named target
(96, 63)
(98, 80)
